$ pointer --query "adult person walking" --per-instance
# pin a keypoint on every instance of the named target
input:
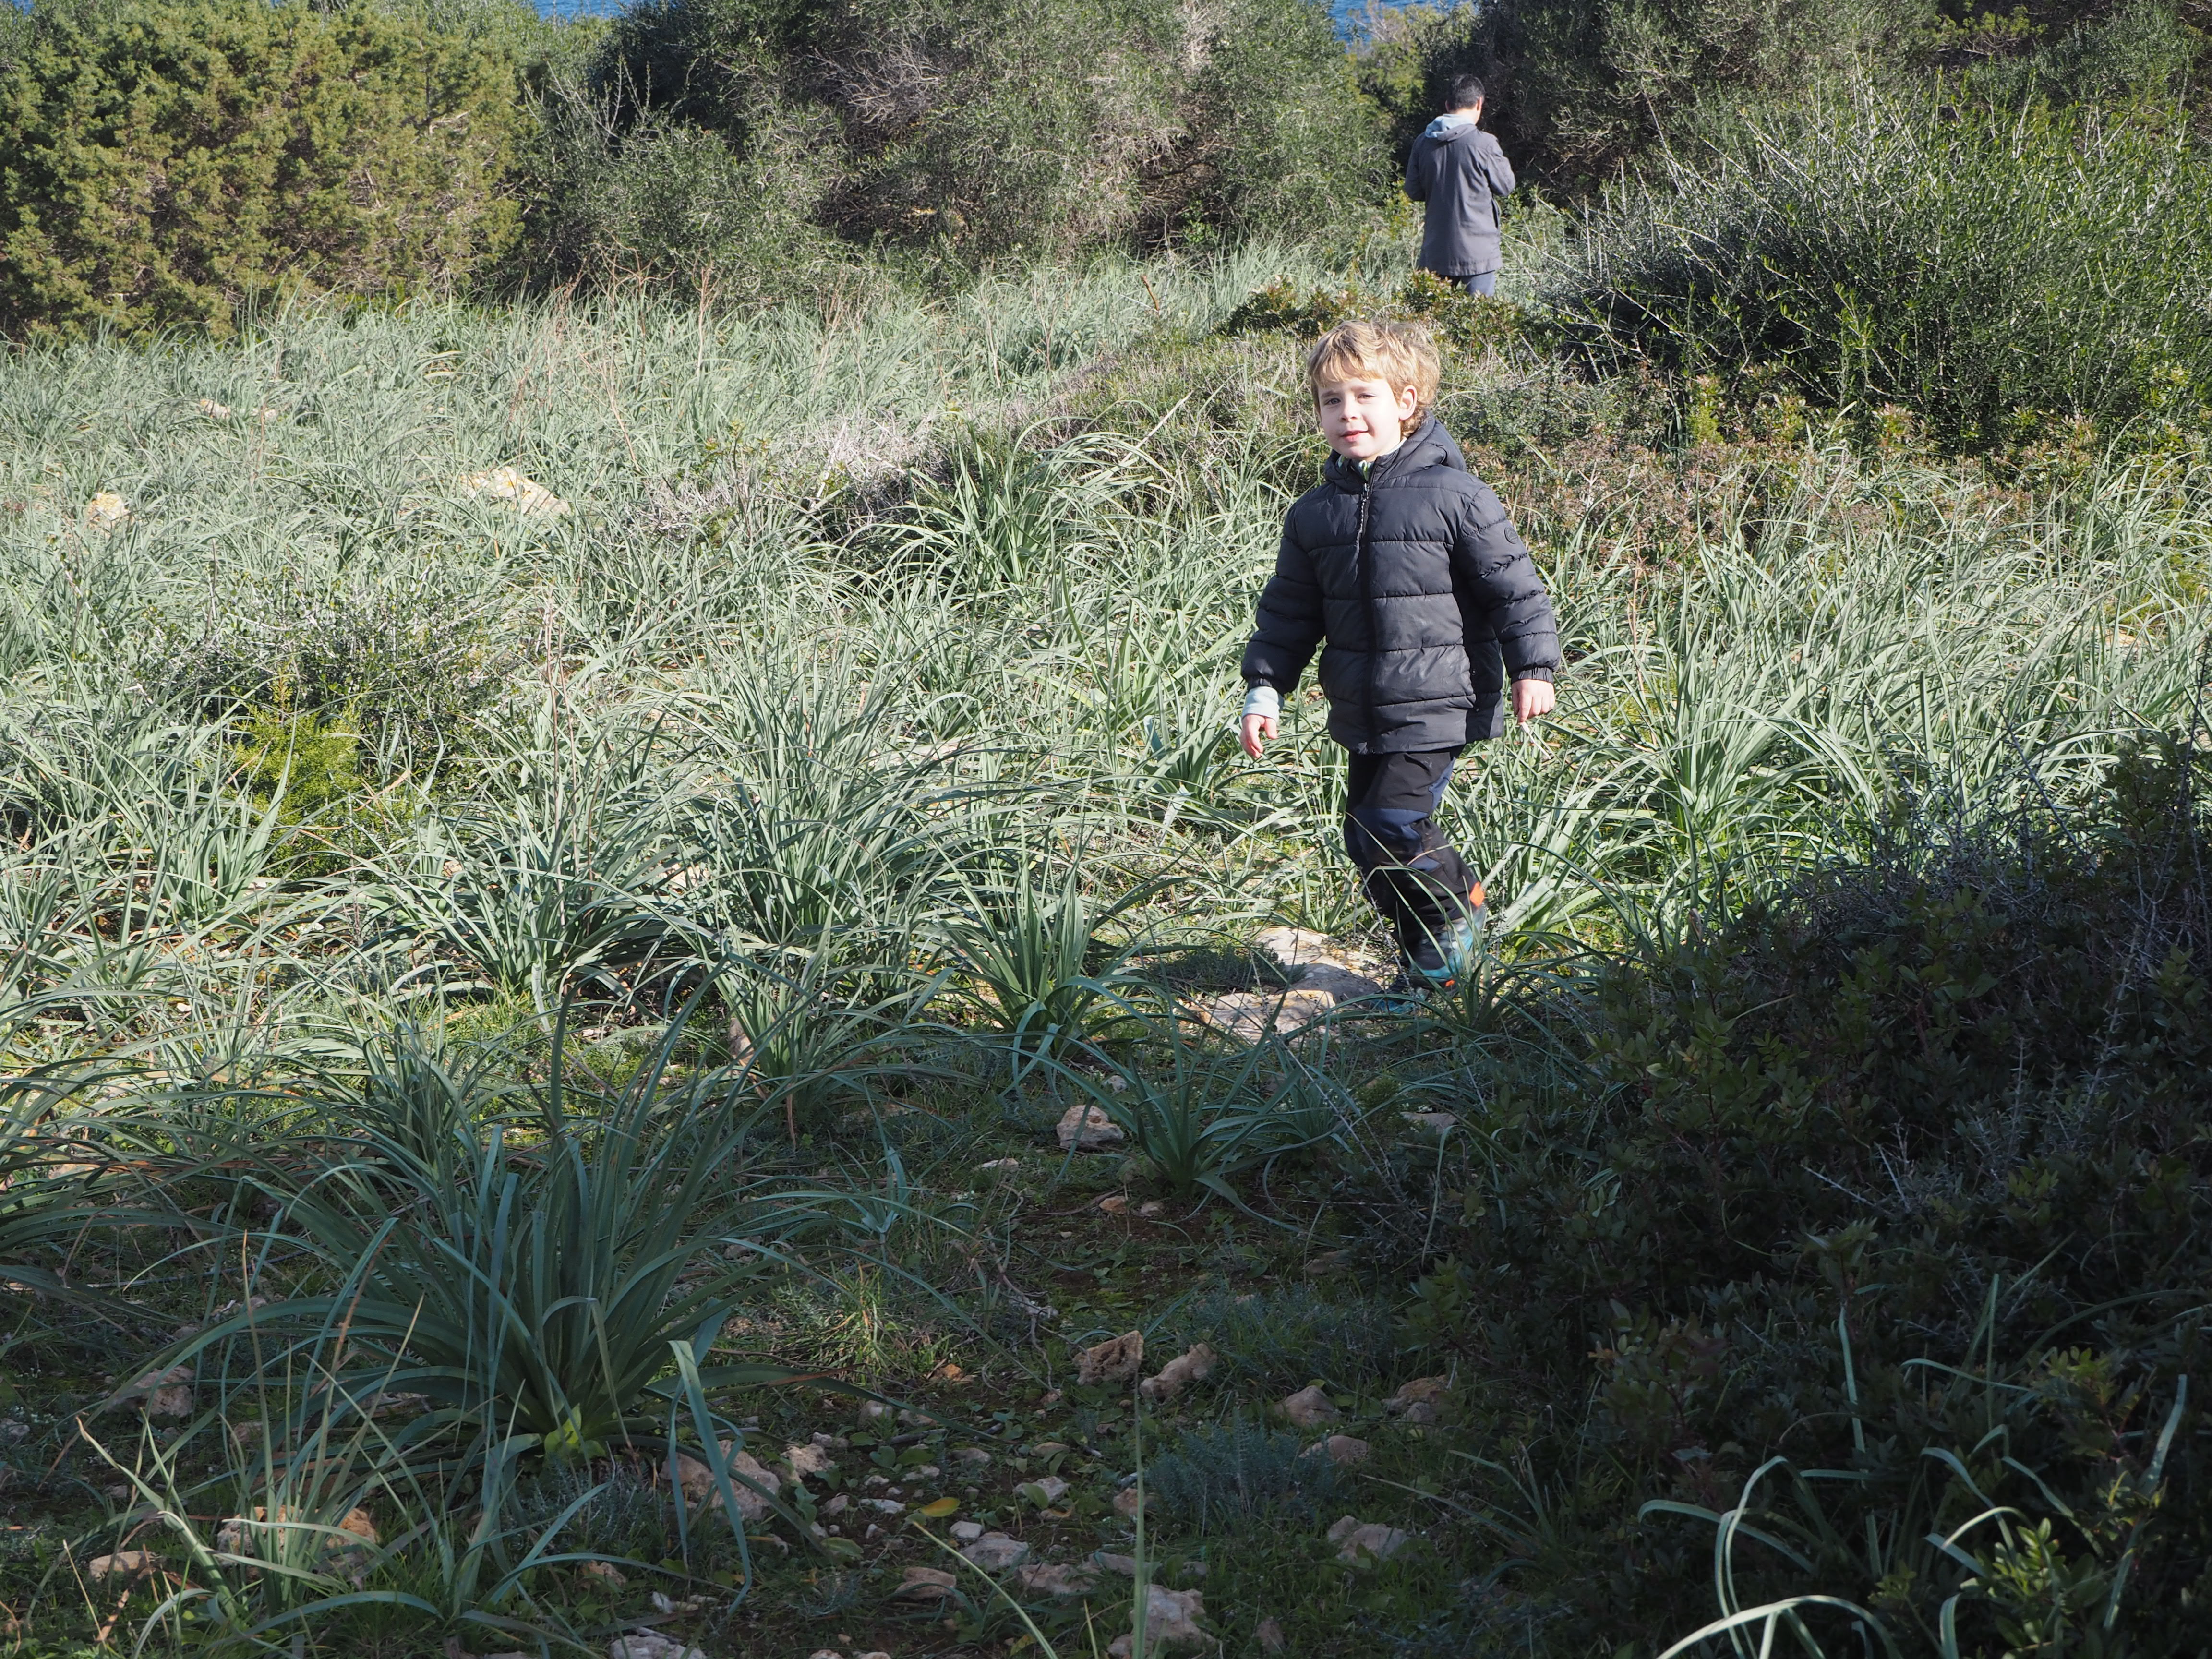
(1460, 172)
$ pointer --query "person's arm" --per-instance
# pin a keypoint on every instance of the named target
(1497, 171)
(1287, 628)
(1490, 561)
(1418, 170)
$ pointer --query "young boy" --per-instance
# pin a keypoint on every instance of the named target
(1403, 561)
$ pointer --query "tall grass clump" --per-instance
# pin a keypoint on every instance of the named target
(1992, 269)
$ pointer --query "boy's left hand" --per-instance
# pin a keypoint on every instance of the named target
(1532, 700)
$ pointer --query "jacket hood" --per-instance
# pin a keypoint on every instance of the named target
(1445, 128)
(1428, 444)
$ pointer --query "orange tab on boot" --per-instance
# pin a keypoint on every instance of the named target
(1474, 895)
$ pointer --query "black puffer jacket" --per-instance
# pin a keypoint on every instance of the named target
(1425, 596)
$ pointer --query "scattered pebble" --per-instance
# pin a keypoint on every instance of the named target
(1114, 1203)
(504, 483)
(1002, 1163)
(125, 1564)
(650, 1644)
(1086, 1128)
(925, 1584)
(1171, 1621)
(106, 511)
(996, 1553)
(1056, 1579)
(1183, 1370)
(1363, 1543)
(805, 1460)
(1269, 1636)
(1308, 1408)
(1150, 1208)
(1339, 1448)
(967, 1532)
(1420, 1401)
(973, 1456)
(606, 1572)
(1046, 1490)
(699, 1486)
(1118, 1359)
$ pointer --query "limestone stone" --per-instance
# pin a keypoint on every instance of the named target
(1117, 1359)
(1087, 1129)
(1340, 1448)
(1363, 1543)
(1310, 1408)
(1194, 1366)
(996, 1553)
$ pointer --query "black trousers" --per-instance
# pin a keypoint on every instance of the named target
(1411, 874)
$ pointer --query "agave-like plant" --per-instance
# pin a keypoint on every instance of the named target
(1030, 954)
(531, 1277)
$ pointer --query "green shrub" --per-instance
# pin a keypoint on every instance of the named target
(168, 161)
(1907, 1166)
(1222, 1476)
(1994, 272)
(950, 126)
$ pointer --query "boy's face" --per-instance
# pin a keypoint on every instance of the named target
(1363, 419)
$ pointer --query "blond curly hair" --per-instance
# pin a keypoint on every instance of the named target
(1400, 354)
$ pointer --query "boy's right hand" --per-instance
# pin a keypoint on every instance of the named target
(1258, 729)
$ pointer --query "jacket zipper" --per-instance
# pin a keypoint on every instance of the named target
(1363, 555)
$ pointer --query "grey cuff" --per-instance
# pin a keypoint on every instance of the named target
(1263, 700)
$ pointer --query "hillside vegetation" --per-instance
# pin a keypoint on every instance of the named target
(613, 728)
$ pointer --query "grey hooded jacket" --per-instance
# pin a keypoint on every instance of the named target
(1426, 597)
(1459, 170)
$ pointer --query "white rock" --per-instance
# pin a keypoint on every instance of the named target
(996, 1553)
(1117, 1359)
(106, 511)
(975, 1456)
(1269, 1636)
(504, 483)
(806, 1461)
(650, 1644)
(125, 1564)
(1056, 1579)
(1045, 1490)
(1341, 1449)
(1086, 1128)
(1420, 1401)
(883, 1505)
(1171, 1621)
(699, 1486)
(1250, 1016)
(1308, 1408)
(1002, 1163)
(1184, 1369)
(967, 1532)
(1364, 1542)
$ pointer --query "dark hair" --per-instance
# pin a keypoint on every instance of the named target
(1462, 92)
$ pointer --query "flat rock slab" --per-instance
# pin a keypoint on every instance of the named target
(1322, 977)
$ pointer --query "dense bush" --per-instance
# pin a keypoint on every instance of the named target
(163, 161)
(1988, 268)
(1578, 88)
(717, 132)
(1906, 1167)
